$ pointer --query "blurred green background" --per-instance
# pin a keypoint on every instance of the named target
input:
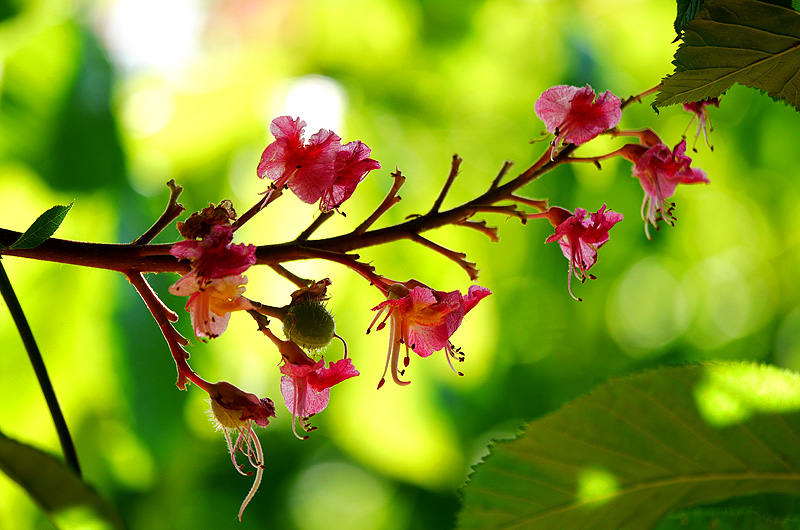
(103, 102)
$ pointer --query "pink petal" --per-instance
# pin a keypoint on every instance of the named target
(335, 374)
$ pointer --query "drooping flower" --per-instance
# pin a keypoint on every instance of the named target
(423, 320)
(699, 110)
(307, 168)
(234, 410)
(352, 165)
(574, 115)
(211, 302)
(660, 170)
(306, 383)
(579, 237)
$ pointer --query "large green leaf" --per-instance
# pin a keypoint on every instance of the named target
(643, 446)
(67, 501)
(750, 42)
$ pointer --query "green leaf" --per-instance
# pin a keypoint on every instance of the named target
(750, 42)
(42, 228)
(58, 491)
(640, 447)
(687, 10)
(764, 512)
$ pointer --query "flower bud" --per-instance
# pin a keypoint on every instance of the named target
(309, 324)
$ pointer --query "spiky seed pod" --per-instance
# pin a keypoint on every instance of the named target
(309, 324)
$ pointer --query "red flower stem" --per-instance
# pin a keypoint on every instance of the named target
(171, 213)
(455, 164)
(175, 340)
(272, 194)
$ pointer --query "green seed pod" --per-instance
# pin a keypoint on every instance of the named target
(309, 324)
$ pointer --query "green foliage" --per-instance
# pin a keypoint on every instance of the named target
(640, 447)
(764, 512)
(750, 42)
(687, 10)
(42, 228)
(58, 491)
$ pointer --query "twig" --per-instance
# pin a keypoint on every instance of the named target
(171, 213)
(455, 164)
(35, 356)
(458, 257)
(640, 96)
(289, 275)
(270, 196)
(501, 174)
(321, 218)
(390, 200)
(267, 310)
(480, 226)
(540, 205)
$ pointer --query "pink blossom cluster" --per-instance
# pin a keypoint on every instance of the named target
(321, 169)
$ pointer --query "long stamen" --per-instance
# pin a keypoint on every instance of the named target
(259, 470)
(232, 449)
(398, 334)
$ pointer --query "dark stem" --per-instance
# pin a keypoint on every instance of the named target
(67, 447)
(455, 164)
(321, 218)
(171, 213)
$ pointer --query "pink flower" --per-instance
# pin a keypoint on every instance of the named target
(215, 256)
(306, 383)
(423, 320)
(579, 237)
(352, 165)
(211, 301)
(235, 410)
(306, 168)
(699, 109)
(573, 114)
(660, 170)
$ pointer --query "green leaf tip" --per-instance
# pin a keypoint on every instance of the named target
(755, 43)
(62, 496)
(42, 228)
(640, 447)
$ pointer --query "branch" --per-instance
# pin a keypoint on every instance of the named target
(501, 174)
(289, 275)
(321, 218)
(455, 164)
(480, 226)
(171, 213)
(458, 257)
(391, 199)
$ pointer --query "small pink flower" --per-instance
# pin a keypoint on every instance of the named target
(574, 115)
(306, 383)
(234, 410)
(660, 170)
(699, 109)
(579, 237)
(306, 168)
(211, 301)
(423, 320)
(352, 165)
(215, 256)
